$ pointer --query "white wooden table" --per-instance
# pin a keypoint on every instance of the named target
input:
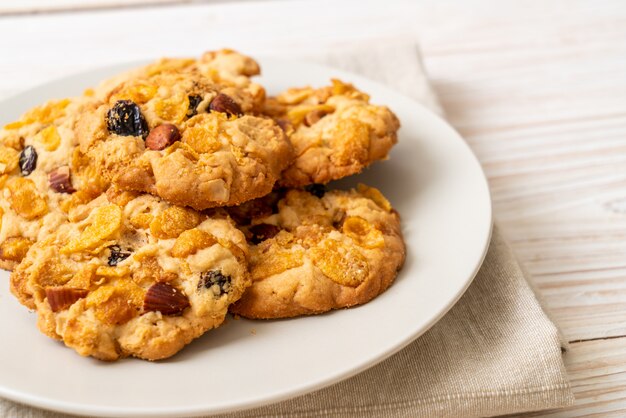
(538, 89)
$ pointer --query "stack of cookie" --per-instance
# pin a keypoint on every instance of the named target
(136, 216)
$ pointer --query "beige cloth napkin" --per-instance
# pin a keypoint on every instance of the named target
(495, 352)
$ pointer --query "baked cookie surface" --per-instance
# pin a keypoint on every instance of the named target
(42, 175)
(133, 276)
(223, 66)
(314, 251)
(335, 132)
(186, 131)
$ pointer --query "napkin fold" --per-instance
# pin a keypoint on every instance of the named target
(495, 352)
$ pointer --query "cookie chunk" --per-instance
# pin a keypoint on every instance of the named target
(133, 276)
(223, 66)
(42, 175)
(314, 251)
(186, 134)
(335, 132)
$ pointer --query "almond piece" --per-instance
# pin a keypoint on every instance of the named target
(60, 298)
(162, 137)
(225, 104)
(59, 180)
(165, 298)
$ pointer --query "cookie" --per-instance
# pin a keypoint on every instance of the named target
(223, 66)
(314, 251)
(186, 134)
(335, 132)
(133, 276)
(42, 175)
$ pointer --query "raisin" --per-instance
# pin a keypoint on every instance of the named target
(225, 104)
(125, 119)
(215, 281)
(194, 101)
(28, 160)
(260, 207)
(316, 189)
(244, 213)
(117, 255)
(261, 232)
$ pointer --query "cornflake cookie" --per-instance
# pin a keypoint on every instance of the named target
(42, 175)
(335, 132)
(313, 251)
(133, 276)
(223, 66)
(185, 130)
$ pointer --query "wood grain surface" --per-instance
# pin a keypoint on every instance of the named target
(538, 89)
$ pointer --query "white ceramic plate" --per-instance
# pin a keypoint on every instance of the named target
(432, 179)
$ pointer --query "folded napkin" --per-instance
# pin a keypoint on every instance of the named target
(495, 352)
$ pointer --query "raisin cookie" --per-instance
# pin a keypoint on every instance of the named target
(133, 276)
(335, 132)
(42, 175)
(181, 135)
(314, 251)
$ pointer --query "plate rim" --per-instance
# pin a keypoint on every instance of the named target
(83, 409)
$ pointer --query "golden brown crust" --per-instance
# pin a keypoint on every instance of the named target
(8, 265)
(30, 208)
(229, 65)
(117, 273)
(245, 166)
(225, 155)
(334, 130)
(341, 250)
(225, 67)
(110, 284)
